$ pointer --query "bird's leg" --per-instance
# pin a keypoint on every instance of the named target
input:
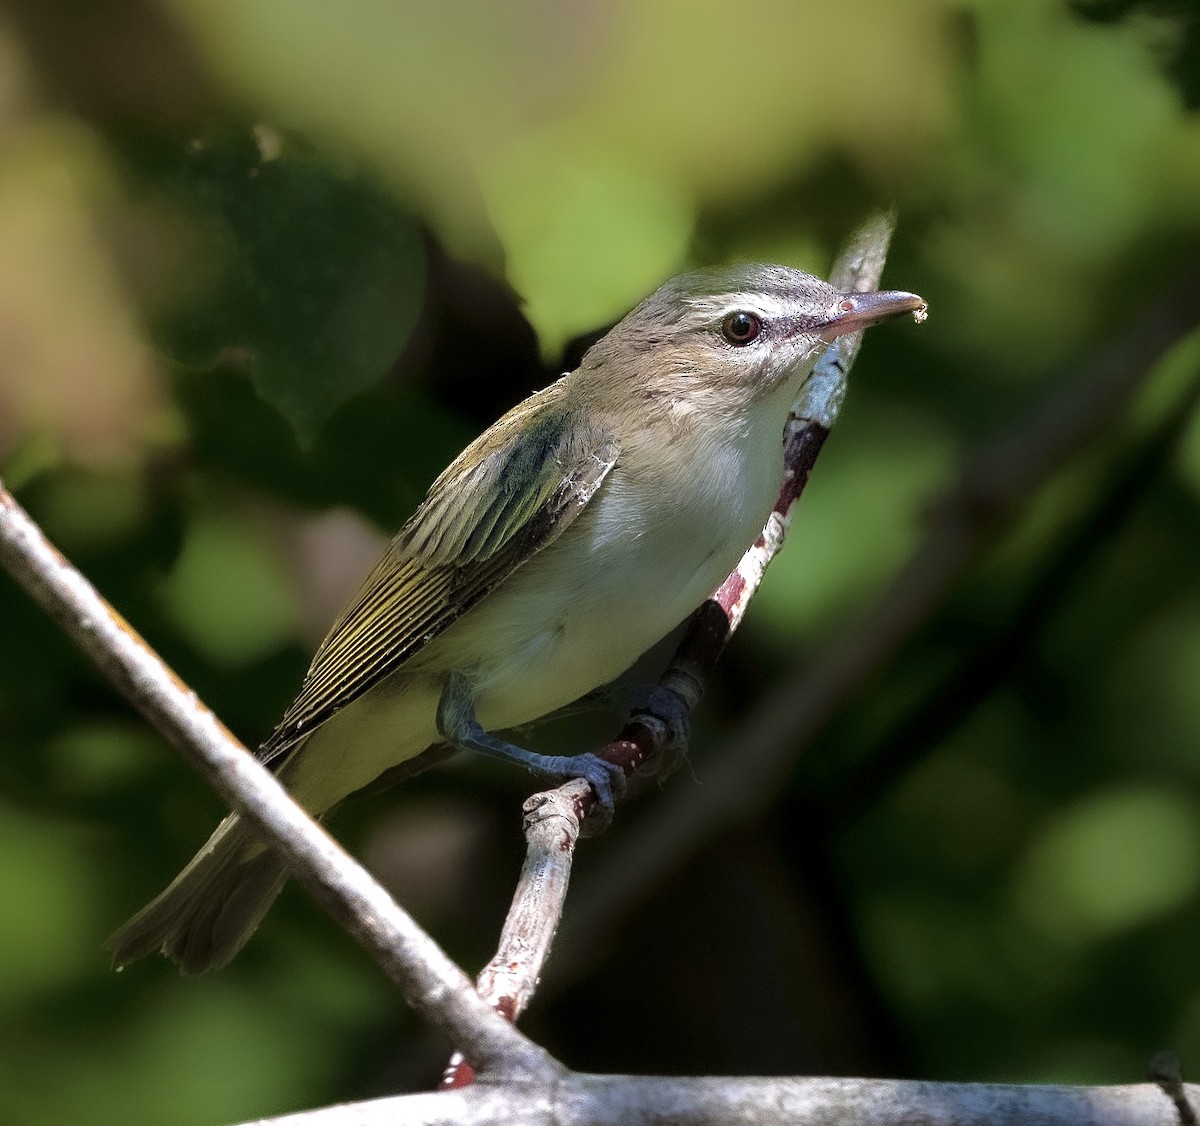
(458, 726)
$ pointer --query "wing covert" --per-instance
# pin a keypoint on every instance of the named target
(508, 495)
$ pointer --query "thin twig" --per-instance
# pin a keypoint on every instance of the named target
(431, 982)
(647, 734)
(511, 977)
(509, 980)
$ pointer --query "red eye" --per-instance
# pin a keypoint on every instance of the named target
(740, 328)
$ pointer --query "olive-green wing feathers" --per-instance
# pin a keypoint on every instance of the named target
(509, 494)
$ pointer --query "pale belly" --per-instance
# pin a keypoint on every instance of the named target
(609, 610)
(623, 576)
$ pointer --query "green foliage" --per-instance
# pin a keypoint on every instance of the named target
(316, 277)
(856, 526)
(557, 205)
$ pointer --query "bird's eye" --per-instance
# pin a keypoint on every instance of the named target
(740, 328)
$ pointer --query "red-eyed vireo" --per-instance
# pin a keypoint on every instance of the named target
(560, 545)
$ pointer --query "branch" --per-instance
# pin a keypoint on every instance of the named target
(614, 1100)
(555, 819)
(431, 982)
(647, 734)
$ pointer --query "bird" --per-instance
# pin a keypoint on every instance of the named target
(560, 545)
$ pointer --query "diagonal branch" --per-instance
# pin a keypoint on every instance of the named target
(431, 982)
(554, 820)
(858, 268)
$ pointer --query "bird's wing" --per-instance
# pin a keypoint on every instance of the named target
(509, 494)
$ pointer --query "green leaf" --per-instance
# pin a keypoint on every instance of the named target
(587, 232)
(319, 277)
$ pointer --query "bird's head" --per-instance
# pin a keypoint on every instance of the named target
(742, 331)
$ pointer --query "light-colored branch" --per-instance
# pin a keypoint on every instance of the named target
(613, 1100)
(554, 819)
(648, 733)
(509, 981)
(431, 982)
(551, 829)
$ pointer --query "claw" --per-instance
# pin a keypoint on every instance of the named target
(606, 778)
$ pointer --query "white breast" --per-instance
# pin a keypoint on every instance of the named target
(651, 546)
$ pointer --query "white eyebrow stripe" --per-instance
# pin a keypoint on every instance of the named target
(762, 303)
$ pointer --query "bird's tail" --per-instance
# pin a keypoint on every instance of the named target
(211, 908)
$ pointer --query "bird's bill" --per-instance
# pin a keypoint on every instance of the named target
(856, 311)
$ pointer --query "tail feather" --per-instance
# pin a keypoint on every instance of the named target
(211, 908)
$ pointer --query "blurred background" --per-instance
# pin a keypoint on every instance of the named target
(266, 266)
